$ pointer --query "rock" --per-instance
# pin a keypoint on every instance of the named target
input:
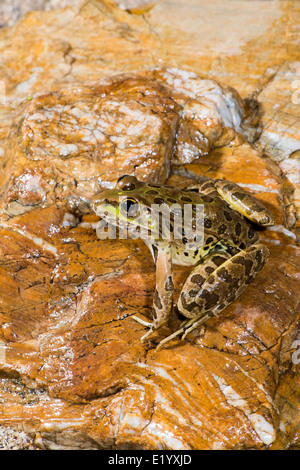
(280, 108)
(12, 440)
(70, 144)
(11, 12)
(74, 374)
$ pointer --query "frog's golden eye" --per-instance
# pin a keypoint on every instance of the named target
(129, 207)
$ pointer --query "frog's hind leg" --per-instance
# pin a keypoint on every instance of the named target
(215, 283)
(244, 203)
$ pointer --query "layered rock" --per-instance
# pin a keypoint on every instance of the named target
(70, 144)
(73, 371)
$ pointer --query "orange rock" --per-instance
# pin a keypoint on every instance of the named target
(68, 345)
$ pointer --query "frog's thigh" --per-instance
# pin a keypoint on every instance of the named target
(213, 285)
(244, 202)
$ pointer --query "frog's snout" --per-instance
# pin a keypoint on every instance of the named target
(95, 202)
(98, 202)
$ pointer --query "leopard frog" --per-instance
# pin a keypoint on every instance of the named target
(223, 260)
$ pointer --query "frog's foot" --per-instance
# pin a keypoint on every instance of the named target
(195, 322)
(147, 324)
(186, 327)
(153, 327)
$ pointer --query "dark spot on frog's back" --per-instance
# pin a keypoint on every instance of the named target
(206, 198)
(231, 298)
(238, 229)
(221, 306)
(193, 293)
(158, 200)
(191, 190)
(222, 229)
(186, 199)
(171, 200)
(207, 185)
(227, 216)
(207, 223)
(251, 232)
(152, 192)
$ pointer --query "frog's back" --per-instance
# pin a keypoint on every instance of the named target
(226, 224)
(220, 222)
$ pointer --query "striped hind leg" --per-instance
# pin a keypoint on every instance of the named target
(215, 283)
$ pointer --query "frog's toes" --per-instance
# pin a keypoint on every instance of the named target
(149, 333)
(148, 324)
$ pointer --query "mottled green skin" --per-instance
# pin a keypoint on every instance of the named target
(224, 261)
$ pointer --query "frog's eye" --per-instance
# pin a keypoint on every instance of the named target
(127, 183)
(129, 207)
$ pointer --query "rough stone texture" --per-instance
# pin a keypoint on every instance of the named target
(281, 124)
(68, 145)
(14, 440)
(13, 10)
(73, 372)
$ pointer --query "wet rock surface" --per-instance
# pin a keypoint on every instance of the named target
(72, 143)
(73, 371)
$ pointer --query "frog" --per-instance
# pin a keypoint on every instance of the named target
(223, 258)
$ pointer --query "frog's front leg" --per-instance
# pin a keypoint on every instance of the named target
(163, 294)
(215, 283)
